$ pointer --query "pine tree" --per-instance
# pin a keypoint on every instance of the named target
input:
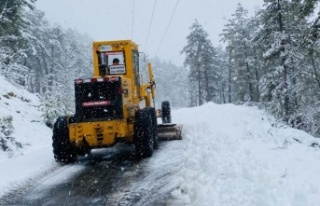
(201, 59)
(238, 34)
(211, 72)
(42, 58)
(280, 33)
(224, 86)
(12, 41)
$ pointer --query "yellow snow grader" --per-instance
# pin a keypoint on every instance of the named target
(113, 106)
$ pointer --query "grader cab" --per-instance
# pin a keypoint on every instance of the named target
(113, 106)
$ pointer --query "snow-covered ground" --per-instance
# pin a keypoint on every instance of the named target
(229, 155)
(238, 155)
(28, 148)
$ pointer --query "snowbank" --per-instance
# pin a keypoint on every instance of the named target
(237, 155)
(25, 148)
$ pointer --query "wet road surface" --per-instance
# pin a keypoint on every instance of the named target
(105, 177)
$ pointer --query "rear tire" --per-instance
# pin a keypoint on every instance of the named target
(155, 128)
(64, 152)
(82, 151)
(166, 112)
(144, 133)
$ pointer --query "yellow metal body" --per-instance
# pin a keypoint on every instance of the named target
(99, 134)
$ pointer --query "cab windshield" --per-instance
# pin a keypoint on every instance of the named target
(108, 58)
(112, 63)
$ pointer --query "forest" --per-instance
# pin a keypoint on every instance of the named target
(270, 60)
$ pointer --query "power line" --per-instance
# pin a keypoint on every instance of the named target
(154, 7)
(174, 11)
(132, 22)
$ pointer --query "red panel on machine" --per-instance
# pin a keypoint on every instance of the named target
(95, 103)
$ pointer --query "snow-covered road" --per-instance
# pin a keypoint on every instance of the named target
(229, 155)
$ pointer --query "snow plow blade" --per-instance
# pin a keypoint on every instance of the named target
(169, 132)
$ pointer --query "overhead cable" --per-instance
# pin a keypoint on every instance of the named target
(174, 11)
(154, 7)
(132, 21)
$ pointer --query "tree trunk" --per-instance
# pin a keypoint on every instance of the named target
(199, 88)
(207, 91)
(248, 73)
(315, 72)
(229, 81)
(257, 80)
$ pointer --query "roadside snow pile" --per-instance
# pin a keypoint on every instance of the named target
(25, 141)
(238, 155)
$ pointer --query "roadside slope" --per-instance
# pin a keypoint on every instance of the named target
(25, 141)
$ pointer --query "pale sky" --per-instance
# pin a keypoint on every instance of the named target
(130, 19)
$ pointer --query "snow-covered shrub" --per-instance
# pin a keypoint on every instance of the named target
(6, 125)
(50, 109)
(8, 144)
(308, 119)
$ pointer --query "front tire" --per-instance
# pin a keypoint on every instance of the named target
(64, 152)
(166, 112)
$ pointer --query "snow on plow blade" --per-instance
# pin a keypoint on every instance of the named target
(169, 132)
